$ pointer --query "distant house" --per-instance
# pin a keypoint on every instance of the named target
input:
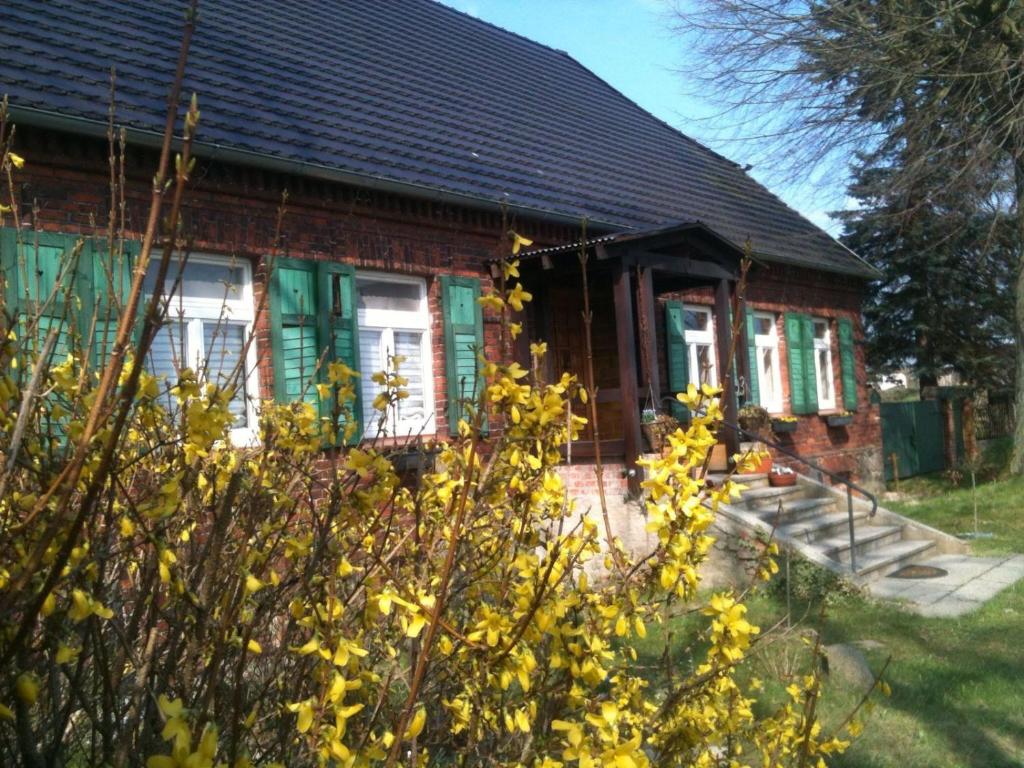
(404, 131)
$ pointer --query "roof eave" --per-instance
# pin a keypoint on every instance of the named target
(39, 118)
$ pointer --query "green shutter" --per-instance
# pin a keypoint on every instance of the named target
(676, 354)
(294, 330)
(339, 333)
(32, 271)
(848, 363)
(810, 374)
(106, 281)
(797, 363)
(463, 342)
(753, 386)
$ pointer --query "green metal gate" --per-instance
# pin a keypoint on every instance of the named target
(914, 432)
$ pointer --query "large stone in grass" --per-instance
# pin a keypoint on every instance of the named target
(847, 662)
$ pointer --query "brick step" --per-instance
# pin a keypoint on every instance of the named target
(794, 511)
(891, 557)
(867, 539)
(821, 526)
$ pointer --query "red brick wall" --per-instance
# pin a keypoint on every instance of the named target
(581, 480)
(233, 211)
(856, 448)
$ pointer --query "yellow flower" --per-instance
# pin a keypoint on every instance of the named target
(517, 297)
(16, 160)
(518, 241)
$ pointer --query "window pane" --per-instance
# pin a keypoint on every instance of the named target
(763, 326)
(370, 362)
(200, 279)
(408, 345)
(164, 361)
(697, 320)
(704, 364)
(380, 294)
(224, 345)
(824, 384)
(766, 378)
(820, 329)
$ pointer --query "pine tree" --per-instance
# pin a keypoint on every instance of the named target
(945, 301)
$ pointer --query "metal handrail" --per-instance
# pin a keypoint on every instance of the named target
(850, 486)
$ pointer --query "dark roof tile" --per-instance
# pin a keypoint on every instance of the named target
(408, 91)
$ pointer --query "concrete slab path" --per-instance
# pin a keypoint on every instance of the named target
(970, 582)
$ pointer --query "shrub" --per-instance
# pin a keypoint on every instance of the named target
(173, 600)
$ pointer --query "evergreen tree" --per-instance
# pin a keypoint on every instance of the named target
(945, 301)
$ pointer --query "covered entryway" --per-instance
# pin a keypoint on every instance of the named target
(626, 273)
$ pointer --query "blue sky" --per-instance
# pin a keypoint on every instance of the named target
(629, 44)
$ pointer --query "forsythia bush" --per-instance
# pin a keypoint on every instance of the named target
(169, 599)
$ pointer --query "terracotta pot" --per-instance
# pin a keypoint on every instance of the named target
(781, 481)
(719, 459)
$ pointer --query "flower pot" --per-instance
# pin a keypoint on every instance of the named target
(781, 427)
(781, 481)
(719, 459)
(839, 420)
(766, 460)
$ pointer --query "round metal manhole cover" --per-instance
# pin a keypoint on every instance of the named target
(918, 572)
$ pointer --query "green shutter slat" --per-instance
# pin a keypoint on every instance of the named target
(796, 360)
(676, 354)
(464, 338)
(340, 334)
(753, 385)
(810, 371)
(847, 363)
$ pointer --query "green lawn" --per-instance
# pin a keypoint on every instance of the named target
(957, 684)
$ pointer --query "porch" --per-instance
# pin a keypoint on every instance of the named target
(627, 276)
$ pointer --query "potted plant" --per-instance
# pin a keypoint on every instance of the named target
(840, 419)
(784, 424)
(656, 426)
(753, 419)
(781, 477)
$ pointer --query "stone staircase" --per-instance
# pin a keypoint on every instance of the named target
(813, 520)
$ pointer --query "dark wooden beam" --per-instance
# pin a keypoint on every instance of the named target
(646, 314)
(723, 330)
(626, 338)
(681, 265)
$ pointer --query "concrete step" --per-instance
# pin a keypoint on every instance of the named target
(891, 557)
(867, 539)
(752, 481)
(794, 510)
(821, 526)
(759, 498)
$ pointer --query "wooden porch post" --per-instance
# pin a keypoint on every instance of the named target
(646, 309)
(742, 346)
(723, 329)
(627, 371)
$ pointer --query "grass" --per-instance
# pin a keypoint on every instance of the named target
(957, 684)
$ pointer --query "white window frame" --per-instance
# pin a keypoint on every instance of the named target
(189, 314)
(693, 338)
(769, 342)
(387, 322)
(827, 398)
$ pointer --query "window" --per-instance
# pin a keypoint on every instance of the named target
(209, 319)
(766, 353)
(393, 319)
(823, 365)
(700, 344)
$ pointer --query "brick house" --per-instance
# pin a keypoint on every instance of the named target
(409, 137)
